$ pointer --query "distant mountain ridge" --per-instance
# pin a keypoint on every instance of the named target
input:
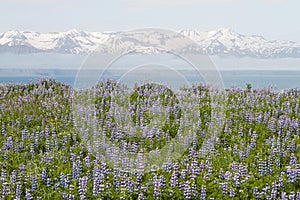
(222, 42)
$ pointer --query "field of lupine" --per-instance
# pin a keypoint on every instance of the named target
(48, 151)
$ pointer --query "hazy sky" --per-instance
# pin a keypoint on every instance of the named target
(275, 19)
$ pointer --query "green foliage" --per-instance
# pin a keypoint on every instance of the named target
(39, 117)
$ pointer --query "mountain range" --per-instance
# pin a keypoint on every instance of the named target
(222, 42)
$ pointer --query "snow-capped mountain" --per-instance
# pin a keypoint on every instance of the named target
(228, 42)
(223, 42)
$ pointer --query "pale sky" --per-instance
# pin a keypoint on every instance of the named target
(274, 19)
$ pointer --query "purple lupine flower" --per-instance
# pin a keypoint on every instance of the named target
(266, 189)
(262, 167)
(32, 150)
(174, 180)
(298, 196)
(13, 177)
(9, 143)
(33, 184)
(71, 197)
(64, 195)
(18, 190)
(87, 161)
(273, 193)
(5, 190)
(21, 146)
(283, 196)
(236, 179)
(71, 187)
(63, 180)
(203, 193)
(272, 125)
(270, 165)
(28, 195)
(97, 180)
(183, 174)
(83, 186)
(227, 175)
(293, 160)
(232, 193)
(187, 190)
(75, 173)
(49, 182)
(44, 175)
(292, 196)
(224, 188)
(141, 196)
(162, 181)
(79, 167)
(156, 185)
(292, 174)
(278, 163)
(194, 190)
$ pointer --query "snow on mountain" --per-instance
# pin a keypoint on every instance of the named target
(228, 42)
(16, 42)
(223, 42)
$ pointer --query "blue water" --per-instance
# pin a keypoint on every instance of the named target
(257, 78)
